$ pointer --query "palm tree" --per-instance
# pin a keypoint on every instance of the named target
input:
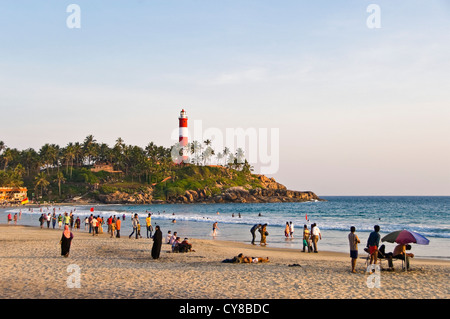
(226, 152)
(69, 156)
(49, 155)
(219, 158)
(59, 179)
(78, 150)
(7, 156)
(230, 160)
(2, 146)
(239, 157)
(90, 147)
(207, 154)
(196, 148)
(42, 182)
(30, 159)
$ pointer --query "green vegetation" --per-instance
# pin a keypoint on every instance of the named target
(55, 173)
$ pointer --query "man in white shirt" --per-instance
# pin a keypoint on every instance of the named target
(291, 229)
(316, 235)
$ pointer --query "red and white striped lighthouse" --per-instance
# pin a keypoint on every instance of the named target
(183, 128)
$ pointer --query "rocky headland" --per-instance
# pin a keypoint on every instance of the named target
(269, 191)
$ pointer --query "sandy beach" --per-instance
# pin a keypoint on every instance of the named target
(112, 268)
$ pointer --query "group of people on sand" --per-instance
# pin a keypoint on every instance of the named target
(14, 218)
(114, 226)
(241, 259)
(289, 230)
(262, 229)
(376, 251)
(62, 219)
(178, 246)
(311, 238)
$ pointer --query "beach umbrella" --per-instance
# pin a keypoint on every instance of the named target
(405, 237)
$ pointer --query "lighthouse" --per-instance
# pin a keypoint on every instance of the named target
(183, 139)
(183, 128)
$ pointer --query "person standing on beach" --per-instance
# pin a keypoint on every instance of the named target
(113, 226)
(60, 218)
(148, 222)
(316, 235)
(66, 240)
(157, 242)
(109, 222)
(77, 223)
(373, 243)
(94, 226)
(118, 223)
(215, 228)
(54, 220)
(264, 233)
(71, 220)
(134, 223)
(91, 217)
(253, 231)
(306, 239)
(99, 225)
(287, 230)
(49, 219)
(66, 219)
(353, 241)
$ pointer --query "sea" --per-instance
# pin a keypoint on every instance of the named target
(427, 215)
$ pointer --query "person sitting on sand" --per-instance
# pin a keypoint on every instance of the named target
(173, 238)
(185, 246)
(241, 259)
(176, 245)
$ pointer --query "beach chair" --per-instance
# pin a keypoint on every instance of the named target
(383, 258)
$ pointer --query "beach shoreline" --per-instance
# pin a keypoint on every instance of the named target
(122, 268)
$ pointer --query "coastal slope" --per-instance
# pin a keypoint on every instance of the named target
(209, 185)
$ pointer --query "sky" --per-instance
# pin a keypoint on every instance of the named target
(338, 107)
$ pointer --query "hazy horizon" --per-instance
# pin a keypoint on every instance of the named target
(360, 111)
